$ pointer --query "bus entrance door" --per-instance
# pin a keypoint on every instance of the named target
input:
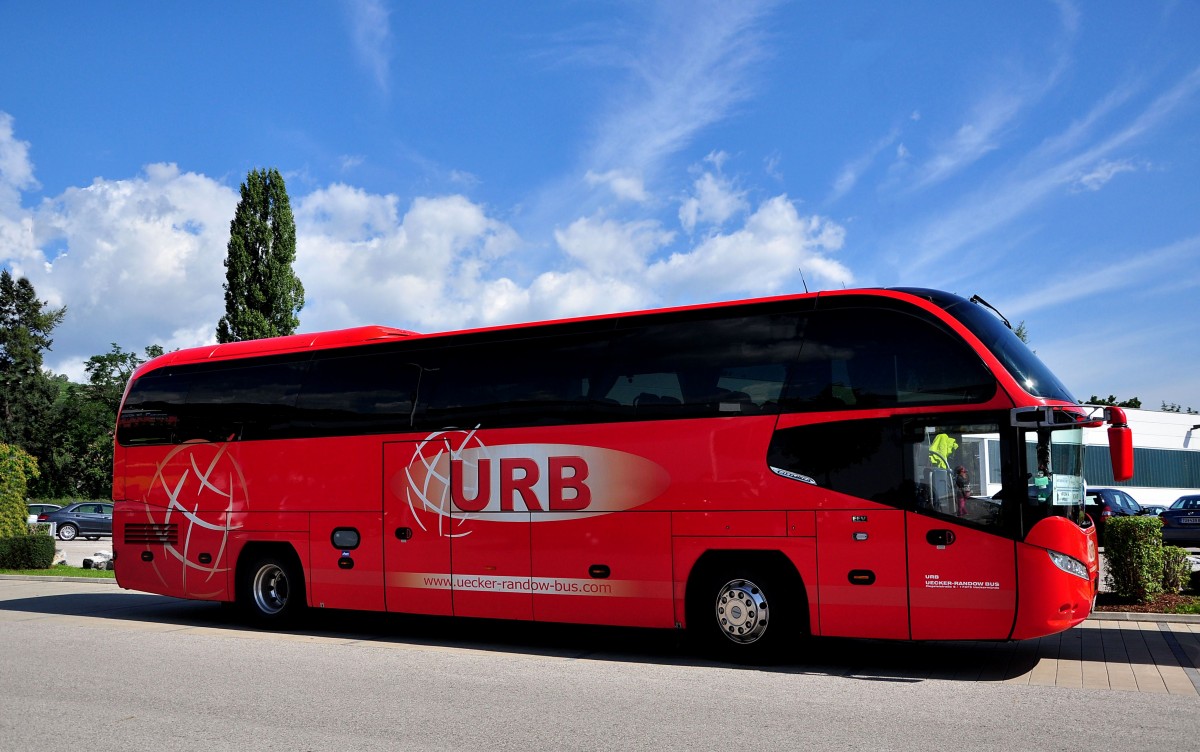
(416, 527)
(962, 581)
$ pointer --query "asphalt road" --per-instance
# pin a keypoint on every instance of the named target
(103, 669)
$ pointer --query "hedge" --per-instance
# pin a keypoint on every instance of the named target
(1134, 553)
(1177, 569)
(26, 552)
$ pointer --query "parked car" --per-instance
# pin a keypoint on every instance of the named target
(1181, 521)
(35, 509)
(91, 519)
(1103, 503)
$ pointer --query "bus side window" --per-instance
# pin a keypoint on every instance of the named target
(152, 410)
(351, 393)
(950, 465)
(531, 381)
(860, 458)
(242, 403)
(718, 368)
(647, 393)
(863, 358)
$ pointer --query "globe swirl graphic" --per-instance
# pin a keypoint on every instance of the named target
(201, 486)
(428, 474)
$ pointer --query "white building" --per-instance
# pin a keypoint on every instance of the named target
(1166, 456)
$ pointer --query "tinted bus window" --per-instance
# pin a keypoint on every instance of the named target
(365, 393)
(858, 358)
(930, 466)
(151, 411)
(722, 367)
(243, 403)
(531, 381)
(681, 369)
(861, 458)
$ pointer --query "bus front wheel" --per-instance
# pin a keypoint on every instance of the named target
(742, 611)
(272, 591)
(741, 614)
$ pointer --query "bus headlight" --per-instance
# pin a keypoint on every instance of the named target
(1068, 564)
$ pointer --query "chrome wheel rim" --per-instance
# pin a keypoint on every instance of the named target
(67, 532)
(742, 611)
(270, 589)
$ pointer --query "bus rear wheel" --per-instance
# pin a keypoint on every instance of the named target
(272, 591)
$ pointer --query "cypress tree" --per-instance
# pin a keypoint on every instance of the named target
(262, 292)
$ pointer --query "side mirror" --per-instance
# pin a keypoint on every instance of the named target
(1120, 451)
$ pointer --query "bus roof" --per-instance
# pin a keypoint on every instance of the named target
(368, 334)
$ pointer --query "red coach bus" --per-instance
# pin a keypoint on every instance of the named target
(889, 463)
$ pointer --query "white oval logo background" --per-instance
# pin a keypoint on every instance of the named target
(615, 480)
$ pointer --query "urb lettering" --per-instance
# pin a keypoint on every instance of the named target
(518, 476)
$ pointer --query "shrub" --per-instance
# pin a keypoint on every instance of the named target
(1134, 553)
(17, 468)
(26, 552)
(1177, 569)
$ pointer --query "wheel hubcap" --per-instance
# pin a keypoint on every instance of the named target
(270, 589)
(742, 611)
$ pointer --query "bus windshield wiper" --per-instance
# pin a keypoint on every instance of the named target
(982, 302)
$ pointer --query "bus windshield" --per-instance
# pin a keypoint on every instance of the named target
(1054, 475)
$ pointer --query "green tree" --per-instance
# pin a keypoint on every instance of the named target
(26, 391)
(85, 417)
(1175, 407)
(1022, 332)
(262, 293)
(1133, 403)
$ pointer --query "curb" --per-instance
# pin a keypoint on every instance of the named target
(1142, 616)
(59, 578)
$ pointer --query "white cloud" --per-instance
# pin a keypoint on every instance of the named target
(1049, 169)
(1098, 176)
(714, 202)
(853, 170)
(689, 70)
(580, 293)
(624, 186)
(607, 247)
(972, 140)
(762, 257)
(138, 261)
(362, 262)
(16, 169)
(142, 260)
(16, 175)
(371, 36)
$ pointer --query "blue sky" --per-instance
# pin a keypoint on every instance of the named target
(458, 164)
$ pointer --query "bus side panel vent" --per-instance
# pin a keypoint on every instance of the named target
(143, 534)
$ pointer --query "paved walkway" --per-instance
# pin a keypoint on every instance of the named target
(1135, 656)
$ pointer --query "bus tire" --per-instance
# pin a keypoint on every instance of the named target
(271, 594)
(742, 614)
